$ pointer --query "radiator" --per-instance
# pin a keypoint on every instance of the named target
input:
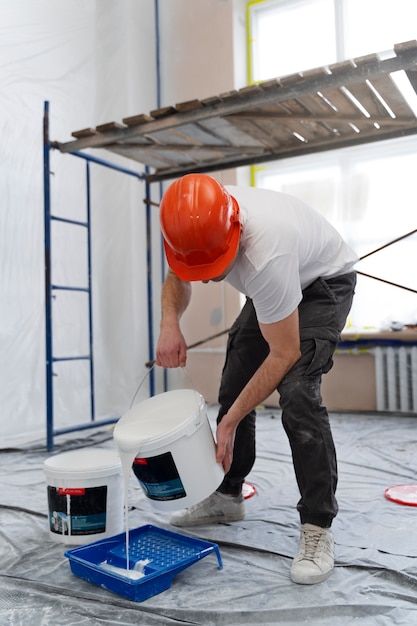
(396, 378)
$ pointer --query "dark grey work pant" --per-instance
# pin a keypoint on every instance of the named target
(322, 314)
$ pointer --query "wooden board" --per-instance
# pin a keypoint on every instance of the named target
(353, 102)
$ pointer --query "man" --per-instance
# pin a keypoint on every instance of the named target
(296, 272)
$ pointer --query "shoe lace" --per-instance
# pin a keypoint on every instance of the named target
(311, 541)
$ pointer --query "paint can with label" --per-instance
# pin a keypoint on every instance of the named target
(168, 441)
(85, 495)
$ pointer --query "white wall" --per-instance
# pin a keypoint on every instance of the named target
(95, 62)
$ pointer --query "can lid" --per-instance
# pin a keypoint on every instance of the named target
(96, 461)
(160, 420)
(402, 494)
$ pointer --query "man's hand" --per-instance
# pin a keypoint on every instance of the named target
(171, 350)
(225, 436)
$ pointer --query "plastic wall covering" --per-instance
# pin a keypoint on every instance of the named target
(94, 62)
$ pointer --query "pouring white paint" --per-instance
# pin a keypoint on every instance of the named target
(171, 432)
(129, 435)
(127, 452)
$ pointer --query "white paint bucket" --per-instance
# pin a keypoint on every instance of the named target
(85, 495)
(169, 440)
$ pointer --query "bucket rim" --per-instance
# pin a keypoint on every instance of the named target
(187, 426)
(73, 462)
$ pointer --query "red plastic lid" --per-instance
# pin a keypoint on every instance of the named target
(248, 490)
(403, 494)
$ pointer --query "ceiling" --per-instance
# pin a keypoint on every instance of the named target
(344, 104)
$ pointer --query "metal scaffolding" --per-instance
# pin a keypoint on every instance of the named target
(51, 288)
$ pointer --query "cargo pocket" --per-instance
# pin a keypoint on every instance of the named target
(322, 360)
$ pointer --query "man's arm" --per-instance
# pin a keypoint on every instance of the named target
(171, 350)
(283, 338)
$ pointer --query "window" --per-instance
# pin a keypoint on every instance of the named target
(376, 25)
(278, 43)
(366, 192)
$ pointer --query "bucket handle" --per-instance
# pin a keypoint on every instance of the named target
(138, 388)
(148, 373)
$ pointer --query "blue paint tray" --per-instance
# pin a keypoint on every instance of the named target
(159, 553)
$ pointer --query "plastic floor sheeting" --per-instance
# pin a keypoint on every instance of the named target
(375, 577)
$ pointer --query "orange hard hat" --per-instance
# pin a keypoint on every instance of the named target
(201, 227)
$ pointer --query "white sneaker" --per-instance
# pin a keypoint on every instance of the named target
(315, 559)
(213, 510)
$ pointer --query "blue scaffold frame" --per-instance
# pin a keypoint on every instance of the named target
(51, 288)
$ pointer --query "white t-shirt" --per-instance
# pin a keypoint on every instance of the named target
(285, 246)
